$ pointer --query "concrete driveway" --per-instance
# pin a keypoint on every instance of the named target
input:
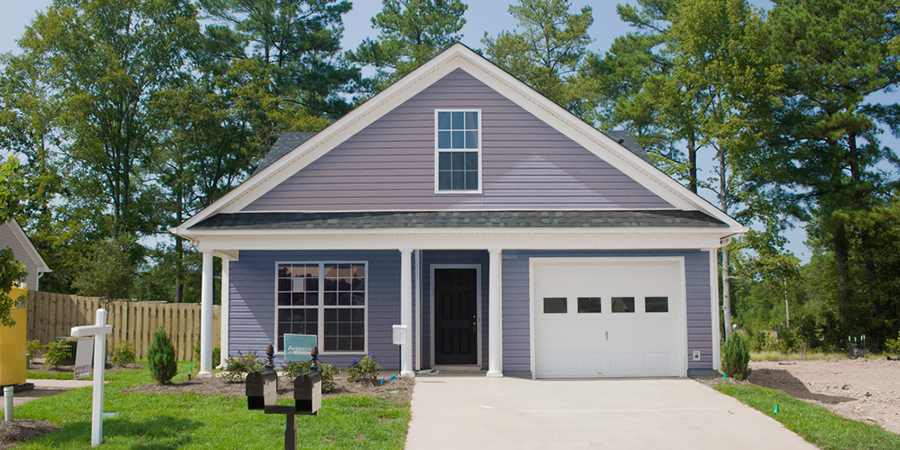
(465, 412)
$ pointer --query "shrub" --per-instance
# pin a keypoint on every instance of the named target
(161, 357)
(57, 353)
(327, 371)
(736, 356)
(124, 354)
(237, 367)
(892, 346)
(34, 347)
(367, 369)
(216, 353)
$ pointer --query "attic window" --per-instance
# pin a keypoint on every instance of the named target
(458, 151)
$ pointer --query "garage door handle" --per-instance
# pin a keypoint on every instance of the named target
(607, 335)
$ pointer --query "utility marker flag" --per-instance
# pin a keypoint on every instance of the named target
(776, 409)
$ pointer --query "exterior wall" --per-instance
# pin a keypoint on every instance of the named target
(252, 292)
(516, 296)
(390, 165)
(8, 240)
(430, 257)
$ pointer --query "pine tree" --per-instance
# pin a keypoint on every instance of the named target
(161, 357)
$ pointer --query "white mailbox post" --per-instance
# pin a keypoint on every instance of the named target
(98, 332)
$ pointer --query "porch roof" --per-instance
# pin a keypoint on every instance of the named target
(459, 219)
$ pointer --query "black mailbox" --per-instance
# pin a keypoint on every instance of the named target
(261, 389)
(308, 393)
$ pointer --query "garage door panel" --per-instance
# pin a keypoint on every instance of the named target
(586, 341)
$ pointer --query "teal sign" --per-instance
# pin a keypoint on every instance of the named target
(297, 347)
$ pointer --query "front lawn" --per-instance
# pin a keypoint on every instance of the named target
(194, 421)
(817, 425)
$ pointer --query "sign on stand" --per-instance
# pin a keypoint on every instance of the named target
(84, 354)
(298, 347)
(98, 331)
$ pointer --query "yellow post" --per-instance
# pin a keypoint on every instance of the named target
(12, 344)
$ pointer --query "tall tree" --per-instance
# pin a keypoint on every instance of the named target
(300, 41)
(548, 52)
(824, 157)
(410, 33)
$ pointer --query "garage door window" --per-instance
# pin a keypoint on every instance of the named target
(588, 305)
(623, 304)
(555, 305)
(656, 304)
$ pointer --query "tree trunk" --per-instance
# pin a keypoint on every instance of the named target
(692, 162)
(726, 281)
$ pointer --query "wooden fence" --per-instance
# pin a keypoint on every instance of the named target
(53, 315)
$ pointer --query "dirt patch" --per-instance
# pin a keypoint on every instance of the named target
(397, 391)
(866, 390)
(21, 430)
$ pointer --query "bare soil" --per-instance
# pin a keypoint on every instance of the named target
(866, 390)
(21, 430)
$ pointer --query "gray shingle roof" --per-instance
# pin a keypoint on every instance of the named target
(285, 143)
(627, 140)
(459, 219)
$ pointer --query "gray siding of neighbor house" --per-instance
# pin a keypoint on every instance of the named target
(252, 291)
(8, 240)
(390, 165)
(516, 324)
(447, 257)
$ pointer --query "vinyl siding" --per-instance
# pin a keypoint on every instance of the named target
(446, 257)
(390, 165)
(516, 295)
(252, 291)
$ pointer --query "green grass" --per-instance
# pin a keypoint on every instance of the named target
(49, 375)
(193, 421)
(778, 356)
(817, 425)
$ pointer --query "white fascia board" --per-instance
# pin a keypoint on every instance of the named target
(32, 252)
(332, 136)
(462, 239)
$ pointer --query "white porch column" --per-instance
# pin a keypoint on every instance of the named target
(495, 311)
(406, 311)
(226, 302)
(206, 305)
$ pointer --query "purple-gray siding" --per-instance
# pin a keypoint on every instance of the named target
(516, 325)
(252, 315)
(527, 164)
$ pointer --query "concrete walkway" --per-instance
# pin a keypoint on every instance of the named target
(453, 412)
(44, 388)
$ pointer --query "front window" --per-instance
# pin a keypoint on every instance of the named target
(327, 300)
(458, 143)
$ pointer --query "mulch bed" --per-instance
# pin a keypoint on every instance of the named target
(21, 430)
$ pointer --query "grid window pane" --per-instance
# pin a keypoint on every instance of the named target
(443, 120)
(458, 170)
(555, 305)
(588, 305)
(623, 304)
(656, 304)
(472, 120)
(458, 120)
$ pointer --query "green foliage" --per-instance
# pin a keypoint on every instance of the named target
(216, 353)
(58, 353)
(124, 354)
(237, 367)
(364, 370)
(161, 357)
(10, 273)
(410, 32)
(108, 270)
(549, 53)
(34, 347)
(736, 356)
(892, 346)
(327, 371)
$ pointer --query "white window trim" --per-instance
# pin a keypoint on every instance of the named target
(438, 151)
(320, 339)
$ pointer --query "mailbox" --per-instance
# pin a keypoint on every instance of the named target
(261, 389)
(308, 393)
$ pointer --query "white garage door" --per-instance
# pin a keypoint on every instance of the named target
(606, 317)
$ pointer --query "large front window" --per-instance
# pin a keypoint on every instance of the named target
(458, 143)
(326, 299)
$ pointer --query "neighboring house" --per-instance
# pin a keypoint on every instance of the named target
(502, 231)
(12, 236)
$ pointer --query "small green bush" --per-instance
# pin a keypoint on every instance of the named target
(216, 353)
(57, 353)
(892, 346)
(736, 356)
(124, 354)
(34, 347)
(161, 357)
(237, 367)
(367, 369)
(327, 371)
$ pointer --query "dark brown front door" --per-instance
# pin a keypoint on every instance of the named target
(456, 316)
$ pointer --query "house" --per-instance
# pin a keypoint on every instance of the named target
(12, 236)
(498, 230)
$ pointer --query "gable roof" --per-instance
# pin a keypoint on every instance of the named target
(30, 252)
(286, 162)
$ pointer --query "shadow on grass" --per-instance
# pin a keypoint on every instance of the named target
(161, 432)
(782, 380)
